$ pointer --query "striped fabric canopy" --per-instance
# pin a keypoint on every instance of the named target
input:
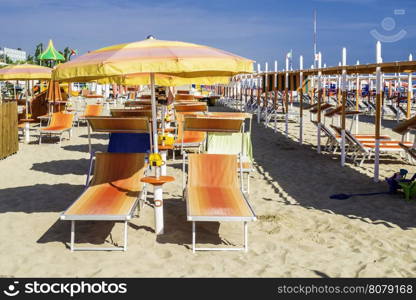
(173, 63)
(25, 72)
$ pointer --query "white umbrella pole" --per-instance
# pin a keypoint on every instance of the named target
(300, 98)
(344, 96)
(157, 189)
(378, 112)
(154, 113)
(287, 98)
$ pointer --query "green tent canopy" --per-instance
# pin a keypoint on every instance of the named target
(51, 53)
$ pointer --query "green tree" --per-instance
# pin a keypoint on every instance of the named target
(38, 51)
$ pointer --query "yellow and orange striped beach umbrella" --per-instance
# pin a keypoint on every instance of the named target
(25, 72)
(153, 61)
(171, 62)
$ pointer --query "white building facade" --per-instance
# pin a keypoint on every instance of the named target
(13, 54)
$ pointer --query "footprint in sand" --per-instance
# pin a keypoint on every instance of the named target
(164, 253)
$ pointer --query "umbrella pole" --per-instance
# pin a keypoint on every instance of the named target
(154, 114)
(27, 98)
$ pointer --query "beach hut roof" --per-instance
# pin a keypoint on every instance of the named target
(51, 53)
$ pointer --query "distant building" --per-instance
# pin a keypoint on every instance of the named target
(12, 54)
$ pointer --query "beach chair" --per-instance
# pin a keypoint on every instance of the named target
(191, 107)
(366, 148)
(186, 140)
(119, 126)
(111, 195)
(213, 194)
(212, 123)
(238, 142)
(91, 110)
(332, 142)
(131, 113)
(59, 124)
(185, 98)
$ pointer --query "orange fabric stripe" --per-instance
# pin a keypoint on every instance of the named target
(213, 188)
(59, 121)
(115, 185)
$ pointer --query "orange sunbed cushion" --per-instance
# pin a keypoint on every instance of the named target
(213, 188)
(104, 199)
(115, 185)
(217, 201)
(383, 146)
(59, 121)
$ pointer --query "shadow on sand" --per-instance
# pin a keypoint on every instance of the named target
(321, 175)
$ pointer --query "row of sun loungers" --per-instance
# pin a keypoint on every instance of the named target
(115, 190)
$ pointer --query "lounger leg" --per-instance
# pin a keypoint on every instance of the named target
(248, 183)
(40, 137)
(193, 236)
(72, 235)
(125, 235)
(245, 237)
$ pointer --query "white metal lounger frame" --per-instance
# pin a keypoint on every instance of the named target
(55, 132)
(116, 129)
(358, 147)
(194, 219)
(245, 220)
(124, 218)
(332, 143)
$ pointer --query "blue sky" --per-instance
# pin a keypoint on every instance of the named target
(263, 30)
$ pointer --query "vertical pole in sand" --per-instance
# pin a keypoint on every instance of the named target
(266, 93)
(240, 86)
(300, 95)
(318, 147)
(357, 100)
(287, 98)
(275, 95)
(258, 93)
(344, 100)
(378, 112)
(409, 91)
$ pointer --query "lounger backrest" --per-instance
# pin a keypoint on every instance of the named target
(332, 112)
(140, 103)
(324, 106)
(349, 137)
(61, 120)
(212, 124)
(191, 107)
(131, 113)
(122, 170)
(403, 127)
(184, 97)
(214, 170)
(326, 130)
(180, 118)
(93, 110)
(112, 124)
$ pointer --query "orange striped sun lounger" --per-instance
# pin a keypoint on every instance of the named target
(91, 110)
(225, 124)
(131, 113)
(112, 194)
(213, 194)
(187, 140)
(185, 98)
(367, 147)
(199, 106)
(60, 123)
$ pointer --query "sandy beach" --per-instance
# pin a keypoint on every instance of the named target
(300, 231)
